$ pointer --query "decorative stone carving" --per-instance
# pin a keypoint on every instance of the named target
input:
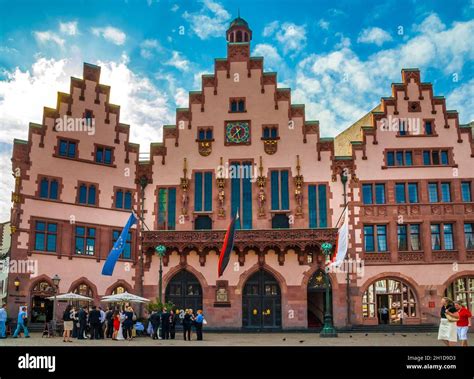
(184, 188)
(205, 148)
(261, 183)
(299, 180)
(382, 211)
(270, 145)
(220, 181)
(414, 209)
(436, 209)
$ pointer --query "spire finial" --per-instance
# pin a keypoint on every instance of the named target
(238, 12)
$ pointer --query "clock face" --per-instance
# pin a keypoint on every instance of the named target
(237, 132)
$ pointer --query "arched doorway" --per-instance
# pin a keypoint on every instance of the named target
(261, 302)
(462, 289)
(316, 298)
(390, 301)
(184, 291)
(84, 290)
(41, 306)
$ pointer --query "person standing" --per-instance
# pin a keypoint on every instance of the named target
(94, 321)
(463, 323)
(68, 324)
(447, 327)
(198, 324)
(82, 319)
(75, 322)
(128, 324)
(3, 321)
(165, 324)
(21, 323)
(102, 323)
(187, 324)
(173, 318)
(109, 321)
(155, 324)
(116, 324)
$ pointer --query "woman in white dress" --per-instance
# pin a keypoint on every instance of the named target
(447, 326)
(120, 332)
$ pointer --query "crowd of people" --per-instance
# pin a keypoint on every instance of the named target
(121, 323)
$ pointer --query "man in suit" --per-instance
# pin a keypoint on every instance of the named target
(94, 321)
(165, 324)
(110, 322)
(82, 322)
(155, 323)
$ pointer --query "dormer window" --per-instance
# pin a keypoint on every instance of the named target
(237, 105)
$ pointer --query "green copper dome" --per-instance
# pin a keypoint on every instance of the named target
(239, 22)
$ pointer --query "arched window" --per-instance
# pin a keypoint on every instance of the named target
(118, 290)
(184, 291)
(231, 37)
(274, 133)
(462, 289)
(92, 193)
(84, 290)
(43, 287)
(209, 134)
(246, 37)
(201, 134)
(83, 194)
(241, 107)
(239, 36)
(233, 106)
(390, 301)
(266, 132)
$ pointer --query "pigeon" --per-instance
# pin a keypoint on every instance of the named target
(350, 336)
(284, 339)
(301, 341)
(366, 334)
(404, 335)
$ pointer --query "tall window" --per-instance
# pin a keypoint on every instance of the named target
(469, 236)
(367, 194)
(203, 191)
(87, 194)
(280, 194)
(433, 192)
(435, 157)
(103, 155)
(409, 237)
(127, 249)
(428, 128)
(237, 105)
(123, 199)
(442, 236)
(374, 233)
(317, 208)
(241, 192)
(49, 188)
(67, 148)
(400, 195)
(413, 192)
(45, 236)
(466, 192)
(167, 208)
(85, 240)
(399, 158)
(445, 192)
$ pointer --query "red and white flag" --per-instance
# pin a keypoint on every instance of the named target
(342, 242)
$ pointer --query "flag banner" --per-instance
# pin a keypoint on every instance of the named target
(227, 246)
(342, 242)
(118, 247)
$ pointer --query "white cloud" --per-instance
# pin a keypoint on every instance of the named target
(210, 21)
(181, 98)
(323, 24)
(374, 35)
(48, 36)
(174, 8)
(270, 28)
(292, 37)
(111, 34)
(272, 59)
(6, 181)
(149, 47)
(178, 61)
(338, 87)
(69, 28)
(431, 24)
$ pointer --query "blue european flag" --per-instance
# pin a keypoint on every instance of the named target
(114, 254)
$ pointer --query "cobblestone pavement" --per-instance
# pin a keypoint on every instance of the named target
(251, 339)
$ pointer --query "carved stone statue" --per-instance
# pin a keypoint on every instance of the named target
(299, 201)
(184, 203)
(261, 202)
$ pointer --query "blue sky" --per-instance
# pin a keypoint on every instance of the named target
(339, 57)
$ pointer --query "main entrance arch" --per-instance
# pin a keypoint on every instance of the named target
(184, 291)
(261, 302)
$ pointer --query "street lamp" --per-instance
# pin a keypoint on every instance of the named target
(56, 279)
(160, 251)
(16, 283)
(344, 180)
(328, 329)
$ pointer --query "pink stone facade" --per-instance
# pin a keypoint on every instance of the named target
(290, 257)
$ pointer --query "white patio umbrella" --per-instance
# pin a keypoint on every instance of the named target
(71, 297)
(124, 297)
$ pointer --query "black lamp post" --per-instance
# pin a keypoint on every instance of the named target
(160, 251)
(328, 329)
(56, 279)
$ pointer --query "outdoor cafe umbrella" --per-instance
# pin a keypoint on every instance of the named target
(71, 297)
(124, 298)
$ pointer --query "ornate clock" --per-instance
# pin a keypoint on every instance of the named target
(237, 133)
